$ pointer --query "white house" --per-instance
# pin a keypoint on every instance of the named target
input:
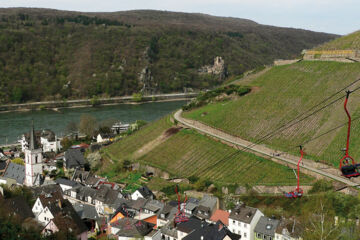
(41, 207)
(243, 219)
(46, 138)
(142, 192)
(104, 137)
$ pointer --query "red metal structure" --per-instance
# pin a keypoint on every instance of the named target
(347, 166)
(298, 192)
(180, 215)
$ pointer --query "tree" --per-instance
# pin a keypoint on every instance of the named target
(65, 143)
(18, 161)
(88, 125)
(71, 127)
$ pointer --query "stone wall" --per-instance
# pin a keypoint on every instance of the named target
(332, 55)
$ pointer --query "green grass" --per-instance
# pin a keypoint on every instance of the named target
(284, 92)
(351, 41)
(124, 148)
(188, 153)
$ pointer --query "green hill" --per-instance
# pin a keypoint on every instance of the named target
(281, 94)
(188, 153)
(49, 54)
(351, 41)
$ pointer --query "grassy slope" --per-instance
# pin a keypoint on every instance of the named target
(188, 153)
(286, 91)
(123, 149)
(351, 41)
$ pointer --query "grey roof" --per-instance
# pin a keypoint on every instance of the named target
(33, 143)
(74, 158)
(15, 171)
(67, 182)
(216, 231)
(145, 191)
(169, 230)
(243, 213)
(191, 225)
(81, 175)
(267, 226)
(137, 204)
(107, 195)
(37, 191)
(208, 201)
(129, 227)
(92, 181)
(154, 205)
(86, 211)
(190, 206)
(168, 212)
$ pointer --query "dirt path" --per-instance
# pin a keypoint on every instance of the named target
(308, 166)
(156, 142)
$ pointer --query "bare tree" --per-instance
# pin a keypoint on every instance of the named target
(88, 125)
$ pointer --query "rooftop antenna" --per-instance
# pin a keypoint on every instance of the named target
(180, 215)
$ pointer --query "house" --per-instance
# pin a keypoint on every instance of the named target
(119, 127)
(81, 193)
(288, 230)
(142, 192)
(66, 184)
(153, 235)
(191, 205)
(217, 231)
(45, 138)
(44, 189)
(107, 200)
(207, 205)
(74, 158)
(153, 207)
(80, 176)
(265, 228)
(42, 202)
(169, 231)
(65, 219)
(104, 137)
(88, 214)
(128, 228)
(16, 172)
(185, 228)
(243, 220)
(167, 214)
(220, 215)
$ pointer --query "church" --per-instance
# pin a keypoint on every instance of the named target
(33, 162)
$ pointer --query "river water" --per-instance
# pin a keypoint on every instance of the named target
(14, 124)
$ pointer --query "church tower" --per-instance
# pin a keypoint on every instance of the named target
(33, 161)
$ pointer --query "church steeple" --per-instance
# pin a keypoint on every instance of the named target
(33, 142)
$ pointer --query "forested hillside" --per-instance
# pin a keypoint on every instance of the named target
(52, 55)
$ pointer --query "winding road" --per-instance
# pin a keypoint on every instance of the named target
(283, 158)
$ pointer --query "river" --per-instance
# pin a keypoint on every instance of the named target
(14, 124)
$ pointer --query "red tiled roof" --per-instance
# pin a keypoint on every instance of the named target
(221, 215)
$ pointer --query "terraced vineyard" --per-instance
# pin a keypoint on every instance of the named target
(188, 153)
(282, 94)
(124, 148)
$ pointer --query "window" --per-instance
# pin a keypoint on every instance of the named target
(245, 234)
(233, 221)
(259, 235)
(36, 159)
(239, 223)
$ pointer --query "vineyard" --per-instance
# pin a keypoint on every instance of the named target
(351, 41)
(124, 148)
(190, 154)
(282, 94)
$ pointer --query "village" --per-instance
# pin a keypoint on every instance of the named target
(89, 206)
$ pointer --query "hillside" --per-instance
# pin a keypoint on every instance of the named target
(351, 41)
(284, 92)
(187, 153)
(49, 54)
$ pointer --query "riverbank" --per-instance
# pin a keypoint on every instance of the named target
(82, 103)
